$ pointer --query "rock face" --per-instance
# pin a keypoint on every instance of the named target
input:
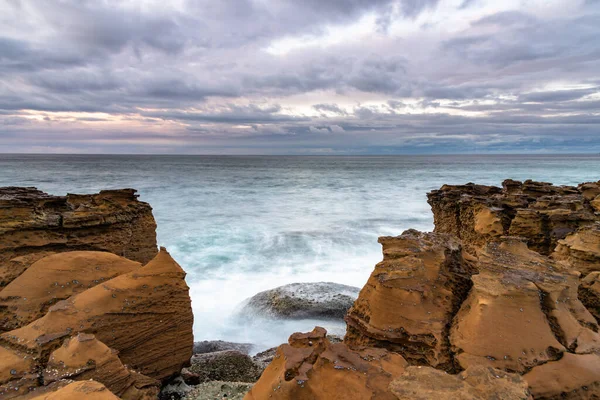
(323, 300)
(539, 211)
(85, 358)
(475, 383)
(581, 249)
(34, 224)
(89, 390)
(310, 367)
(54, 278)
(145, 315)
(589, 293)
(410, 299)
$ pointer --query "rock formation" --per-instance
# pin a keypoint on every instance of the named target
(145, 314)
(310, 367)
(34, 224)
(589, 293)
(324, 300)
(54, 278)
(410, 299)
(88, 390)
(539, 211)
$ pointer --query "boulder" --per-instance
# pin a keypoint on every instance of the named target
(311, 368)
(475, 383)
(320, 300)
(410, 299)
(34, 224)
(84, 358)
(226, 365)
(54, 278)
(145, 314)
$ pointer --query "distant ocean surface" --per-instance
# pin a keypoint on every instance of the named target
(239, 225)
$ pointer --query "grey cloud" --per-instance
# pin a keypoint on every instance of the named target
(333, 108)
(557, 95)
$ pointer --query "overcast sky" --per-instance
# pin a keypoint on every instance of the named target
(299, 76)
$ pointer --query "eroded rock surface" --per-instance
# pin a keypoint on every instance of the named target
(145, 314)
(54, 278)
(34, 224)
(475, 383)
(581, 249)
(88, 390)
(410, 299)
(226, 365)
(310, 367)
(539, 211)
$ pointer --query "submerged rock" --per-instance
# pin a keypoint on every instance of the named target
(34, 224)
(319, 300)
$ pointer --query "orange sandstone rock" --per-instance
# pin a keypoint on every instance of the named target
(410, 299)
(145, 314)
(589, 293)
(581, 249)
(32, 222)
(56, 278)
(311, 368)
(83, 358)
(88, 390)
(475, 383)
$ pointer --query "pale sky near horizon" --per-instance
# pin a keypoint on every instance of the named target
(299, 77)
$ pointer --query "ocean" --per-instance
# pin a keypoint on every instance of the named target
(242, 224)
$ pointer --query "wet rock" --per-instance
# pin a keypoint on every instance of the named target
(475, 383)
(310, 367)
(211, 346)
(410, 299)
(33, 222)
(176, 389)
(320, 300)
(219, 390)
(227, 365)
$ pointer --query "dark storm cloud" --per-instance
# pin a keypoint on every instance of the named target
(234, 70)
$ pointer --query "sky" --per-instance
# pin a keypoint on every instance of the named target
(299, 77)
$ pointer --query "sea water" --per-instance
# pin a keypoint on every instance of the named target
(239, 225)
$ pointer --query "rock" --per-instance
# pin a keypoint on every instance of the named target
(581, 249)
(18, 372)
(211, 346)
(176, 389)
(539, 211)
(32, 222)
(145, 314)
(227, 365)
(310, 368)
(264, 358)
(54, 278)
(589, 294)
(522, 312)
(574, 376)
(84, 358)
(410, 299)
(88, 390)
(325, 300)
(219, 390)
(475, 383)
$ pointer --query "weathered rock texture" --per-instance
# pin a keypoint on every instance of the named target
(226, 365)
(589, 293)
(539, 211)
(410, 299)
(475, 383)
(85, 358)
(325, 300)
(581, 249)
(34, 224)
(88, 390)
(310, 368)
(145, 315)
(54, 278)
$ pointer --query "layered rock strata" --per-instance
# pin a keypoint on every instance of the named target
(34, 224)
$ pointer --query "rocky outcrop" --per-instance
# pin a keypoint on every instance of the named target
(310, 367)
(212, 346)
(89, 390)
(323, 300)
(34, 224)
(84, 358)
(581, 249)
(542, 213)
(408, 303)
(475, 383)
(226, 365)
(55, 278)
(145, 315)
(589, 293)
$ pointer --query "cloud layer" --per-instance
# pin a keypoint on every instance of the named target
(290, 77)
